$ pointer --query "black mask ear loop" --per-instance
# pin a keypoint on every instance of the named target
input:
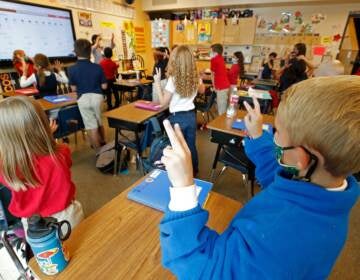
(314, 159)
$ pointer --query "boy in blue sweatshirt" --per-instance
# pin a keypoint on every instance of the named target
(297, 225)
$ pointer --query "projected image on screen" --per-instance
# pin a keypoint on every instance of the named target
(35, 29)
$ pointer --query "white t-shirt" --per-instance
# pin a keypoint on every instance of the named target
(178, 103)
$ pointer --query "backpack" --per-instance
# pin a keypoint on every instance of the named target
(157, 146)
(105, 158)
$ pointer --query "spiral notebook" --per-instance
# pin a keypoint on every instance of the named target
(153, 191)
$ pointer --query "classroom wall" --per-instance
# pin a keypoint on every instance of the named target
(156, 5)
(140, 19)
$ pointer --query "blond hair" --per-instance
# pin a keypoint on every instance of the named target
(25, 133)
(324, 114)
(182, 68)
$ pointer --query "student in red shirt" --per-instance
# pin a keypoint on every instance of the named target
(219, 77)
(18, 57)
(34, 168)
(237, 69)
(110, 70)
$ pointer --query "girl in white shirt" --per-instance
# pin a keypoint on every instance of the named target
(179, 94)
(44, 79)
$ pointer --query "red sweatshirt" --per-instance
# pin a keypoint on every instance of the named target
(55, 192)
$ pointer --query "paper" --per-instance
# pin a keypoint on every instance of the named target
(319, 50)
(108, 24)
(325, 40)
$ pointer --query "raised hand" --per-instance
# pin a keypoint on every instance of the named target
(53, 125)
(177, 158)
(253, 119)
(157, 76)
(58, 65)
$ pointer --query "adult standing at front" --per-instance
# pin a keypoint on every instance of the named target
(97, 48)
(219, 77)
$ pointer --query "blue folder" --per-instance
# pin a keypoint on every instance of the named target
(58, 98)
(240, 124)
(154, 192)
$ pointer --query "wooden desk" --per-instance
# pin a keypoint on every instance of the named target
(222, 133)
(124, 86)
(266, 84)
(128, 117)
(121, 240)
(46, 105)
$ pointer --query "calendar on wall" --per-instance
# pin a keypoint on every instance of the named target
(160, 33)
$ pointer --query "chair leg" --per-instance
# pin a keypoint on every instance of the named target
(212, 179)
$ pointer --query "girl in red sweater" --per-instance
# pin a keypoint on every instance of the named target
(33, 166)
(237, 69)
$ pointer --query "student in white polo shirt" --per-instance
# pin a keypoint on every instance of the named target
(180, 91)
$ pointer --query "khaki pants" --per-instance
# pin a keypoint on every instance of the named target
(222, 100)
(73, 214)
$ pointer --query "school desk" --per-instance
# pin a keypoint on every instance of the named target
(129, 74)
(121, 240)
(46, 105)
(265, 84)
(130, 85)
(130, 118)
(222, 133)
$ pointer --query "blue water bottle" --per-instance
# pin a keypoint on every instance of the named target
(45, 237)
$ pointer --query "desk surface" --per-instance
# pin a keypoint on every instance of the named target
(265, 82)
(46, 105)
(130, 113)
(132, 82)
(121, 240)
(223, 123)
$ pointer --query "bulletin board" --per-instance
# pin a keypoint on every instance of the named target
(111, 20)
(160, 33)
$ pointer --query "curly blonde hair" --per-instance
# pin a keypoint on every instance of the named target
(182, 68)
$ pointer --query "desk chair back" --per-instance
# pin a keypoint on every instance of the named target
(204, 104)
(137, 61)
(69, 121)
(236, 158)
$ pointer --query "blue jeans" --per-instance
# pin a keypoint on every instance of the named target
(187, 123)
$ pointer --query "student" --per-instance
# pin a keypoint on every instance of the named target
(110, 70)
(161, 58)
(295, 69)
(268, 67)
(34, 168)
(87, 79)
(18, 57)
(97, 48)
(296, 226)
(44, 79)
(219, 77)
(179, 93)
(237, 69)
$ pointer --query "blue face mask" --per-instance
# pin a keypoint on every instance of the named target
(293, 170)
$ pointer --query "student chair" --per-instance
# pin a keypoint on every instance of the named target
(236, 158)
(12, 235)
(69, 121)
(204, 103)
(137, 59)
(63, 88)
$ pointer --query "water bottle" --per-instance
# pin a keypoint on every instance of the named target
(45, 237)
(137, 74)
(233, 102)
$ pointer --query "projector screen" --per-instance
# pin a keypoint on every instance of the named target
(35, 29)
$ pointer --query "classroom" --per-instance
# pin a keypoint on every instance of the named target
(178, 139)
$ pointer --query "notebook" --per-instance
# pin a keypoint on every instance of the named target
(262, 94)
(154, 192)
(240, 124)
(147, 105)
(27, 91)
(58, 98)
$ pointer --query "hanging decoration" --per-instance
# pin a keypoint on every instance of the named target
(204, 32)
(298, 18)
(317, 18)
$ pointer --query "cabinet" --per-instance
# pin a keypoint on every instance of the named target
(240, 33)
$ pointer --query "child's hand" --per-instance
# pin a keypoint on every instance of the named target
(253, 119)
(53, 125)
(177, 158)
(157, 76)
(58, 65)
